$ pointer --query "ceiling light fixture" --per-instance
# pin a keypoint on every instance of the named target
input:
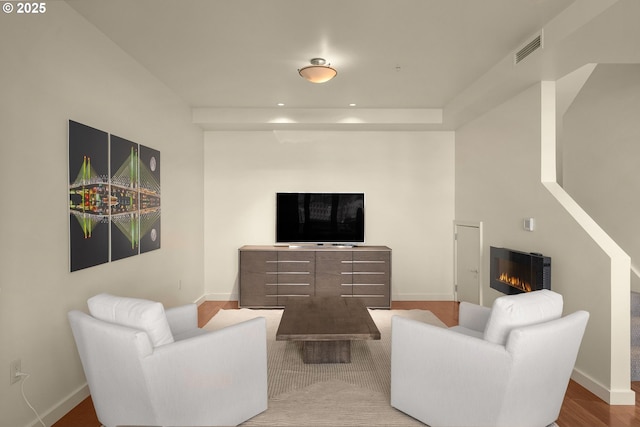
(318, 72)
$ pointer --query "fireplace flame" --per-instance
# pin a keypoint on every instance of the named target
(515, 282)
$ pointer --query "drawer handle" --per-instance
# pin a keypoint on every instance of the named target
(289, 261)
(363, 272)
(288, 272)
(364, 262)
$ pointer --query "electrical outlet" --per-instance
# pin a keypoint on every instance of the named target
(14, 368)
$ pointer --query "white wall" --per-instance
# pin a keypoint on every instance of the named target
(498, 181)
(500, 152)
(407, 178)
(56, 67)
(601, 142)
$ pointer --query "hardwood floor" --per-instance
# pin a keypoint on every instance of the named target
(580, 408)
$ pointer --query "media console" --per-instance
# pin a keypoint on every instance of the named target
(271, 275)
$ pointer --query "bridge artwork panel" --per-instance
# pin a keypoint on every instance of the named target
(114, 197)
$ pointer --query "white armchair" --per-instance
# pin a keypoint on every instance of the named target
(505, 366)
(145, 367)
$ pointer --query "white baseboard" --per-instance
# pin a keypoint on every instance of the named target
(200, 300)
(63, 407)
(223, 296)
(612, 397)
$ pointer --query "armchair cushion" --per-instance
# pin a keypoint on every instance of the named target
(183, 321)
(472, 319)
(512, 311)
(148, 316)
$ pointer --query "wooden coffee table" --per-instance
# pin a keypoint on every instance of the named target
(326, 326)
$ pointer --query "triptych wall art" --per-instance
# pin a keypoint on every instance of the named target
(114, 197)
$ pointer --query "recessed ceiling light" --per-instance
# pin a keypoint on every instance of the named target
(280, 104)
(352, 105)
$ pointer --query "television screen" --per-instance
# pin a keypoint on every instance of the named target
(320, 218)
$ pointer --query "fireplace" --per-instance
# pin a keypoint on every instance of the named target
(514, 272)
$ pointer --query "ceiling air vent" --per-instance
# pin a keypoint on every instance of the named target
(529, 48)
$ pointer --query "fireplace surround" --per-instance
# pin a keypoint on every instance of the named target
(514, 272)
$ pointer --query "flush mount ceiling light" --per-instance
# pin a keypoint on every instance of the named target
(318, 72)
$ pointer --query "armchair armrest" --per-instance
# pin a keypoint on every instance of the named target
(182, 319)
(218, 378)
(473, 316)
(443, 377)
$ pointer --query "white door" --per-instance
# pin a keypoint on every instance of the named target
(468, 251)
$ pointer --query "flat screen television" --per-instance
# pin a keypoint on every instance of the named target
(335, 218)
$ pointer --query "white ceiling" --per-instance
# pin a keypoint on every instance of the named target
(389, 53)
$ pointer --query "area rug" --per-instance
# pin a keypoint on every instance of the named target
(341, 394)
